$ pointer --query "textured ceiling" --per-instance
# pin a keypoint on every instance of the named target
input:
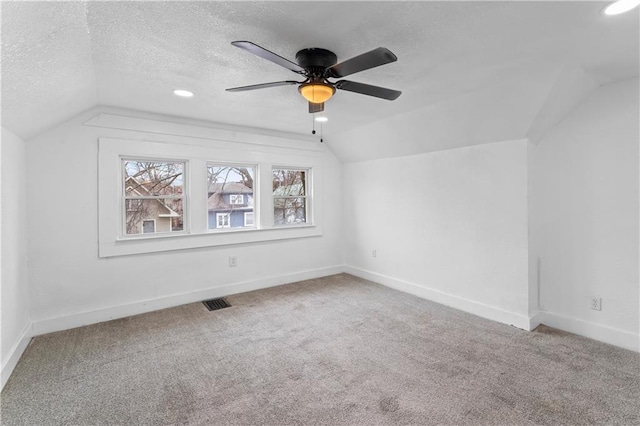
(61, 58)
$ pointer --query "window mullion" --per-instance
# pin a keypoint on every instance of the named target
(196, 196)
(266, 199)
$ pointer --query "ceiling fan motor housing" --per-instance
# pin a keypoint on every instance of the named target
(315, 59)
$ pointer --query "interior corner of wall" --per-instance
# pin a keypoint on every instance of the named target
(535, 319)
(535, 139)
(571, 86)
(14, 354)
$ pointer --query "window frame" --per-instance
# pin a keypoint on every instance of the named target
(308, 191)
(124, 198)
(256, 198)
(197, 154)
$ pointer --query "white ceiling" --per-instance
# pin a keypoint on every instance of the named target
(61, 58)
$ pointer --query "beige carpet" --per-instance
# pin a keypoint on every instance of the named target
(336, 350)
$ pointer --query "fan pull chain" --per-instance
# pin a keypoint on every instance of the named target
(313, 132)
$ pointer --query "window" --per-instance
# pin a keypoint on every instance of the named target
(230, 195)
(290, 196)
(248, 219)
(236, 199)
(178, 180)
(148, 226)
(153, 194)
(222, 220)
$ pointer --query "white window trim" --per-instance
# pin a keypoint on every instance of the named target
(308, 190)
(123, 217)
(257, 188)
(197, 154)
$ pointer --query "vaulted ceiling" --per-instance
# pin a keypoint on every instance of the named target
(459, 64)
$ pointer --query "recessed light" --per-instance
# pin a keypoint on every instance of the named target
(183, 93)
(322, 119)
(621, 6)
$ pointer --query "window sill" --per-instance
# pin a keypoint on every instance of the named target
(252, 229)
(169, 242)
(153, 236)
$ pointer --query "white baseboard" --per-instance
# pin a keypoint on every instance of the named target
(470, 306)
(14, 354)
(610, 335)
(594, 331)
(106, 314)
(536, 320)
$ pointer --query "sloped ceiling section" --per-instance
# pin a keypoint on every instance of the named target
(570, 88)
(505, 111)
(47, 65)
(470, 72)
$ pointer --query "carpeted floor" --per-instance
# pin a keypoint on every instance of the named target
(336, 350)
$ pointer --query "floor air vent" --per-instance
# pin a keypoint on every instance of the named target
(215, 304)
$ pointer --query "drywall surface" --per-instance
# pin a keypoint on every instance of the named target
(501, 112)
(585, 216)
(571, 87)
(15, 291)
(448, 225)
(72, 285)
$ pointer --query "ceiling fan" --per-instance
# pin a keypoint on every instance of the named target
(318, 66)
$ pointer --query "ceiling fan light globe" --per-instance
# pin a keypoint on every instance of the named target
(316, 93)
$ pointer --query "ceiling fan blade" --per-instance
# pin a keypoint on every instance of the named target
(372, 59)
(313, 108)
(269, 56)
(261, 86)
(367, 89)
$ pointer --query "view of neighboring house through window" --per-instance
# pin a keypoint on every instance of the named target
(223, 220)
(148, 226)
(133, 205)
(230, 192)
(248, 219)
(153, 196)
(236, 199)
(290, 196)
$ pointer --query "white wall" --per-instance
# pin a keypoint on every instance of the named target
(16, 330)
(585, 216)
(450, 226)
(73, 286)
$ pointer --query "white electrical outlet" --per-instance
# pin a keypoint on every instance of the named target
(374, 253)
(233, 261)
(596, 303)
